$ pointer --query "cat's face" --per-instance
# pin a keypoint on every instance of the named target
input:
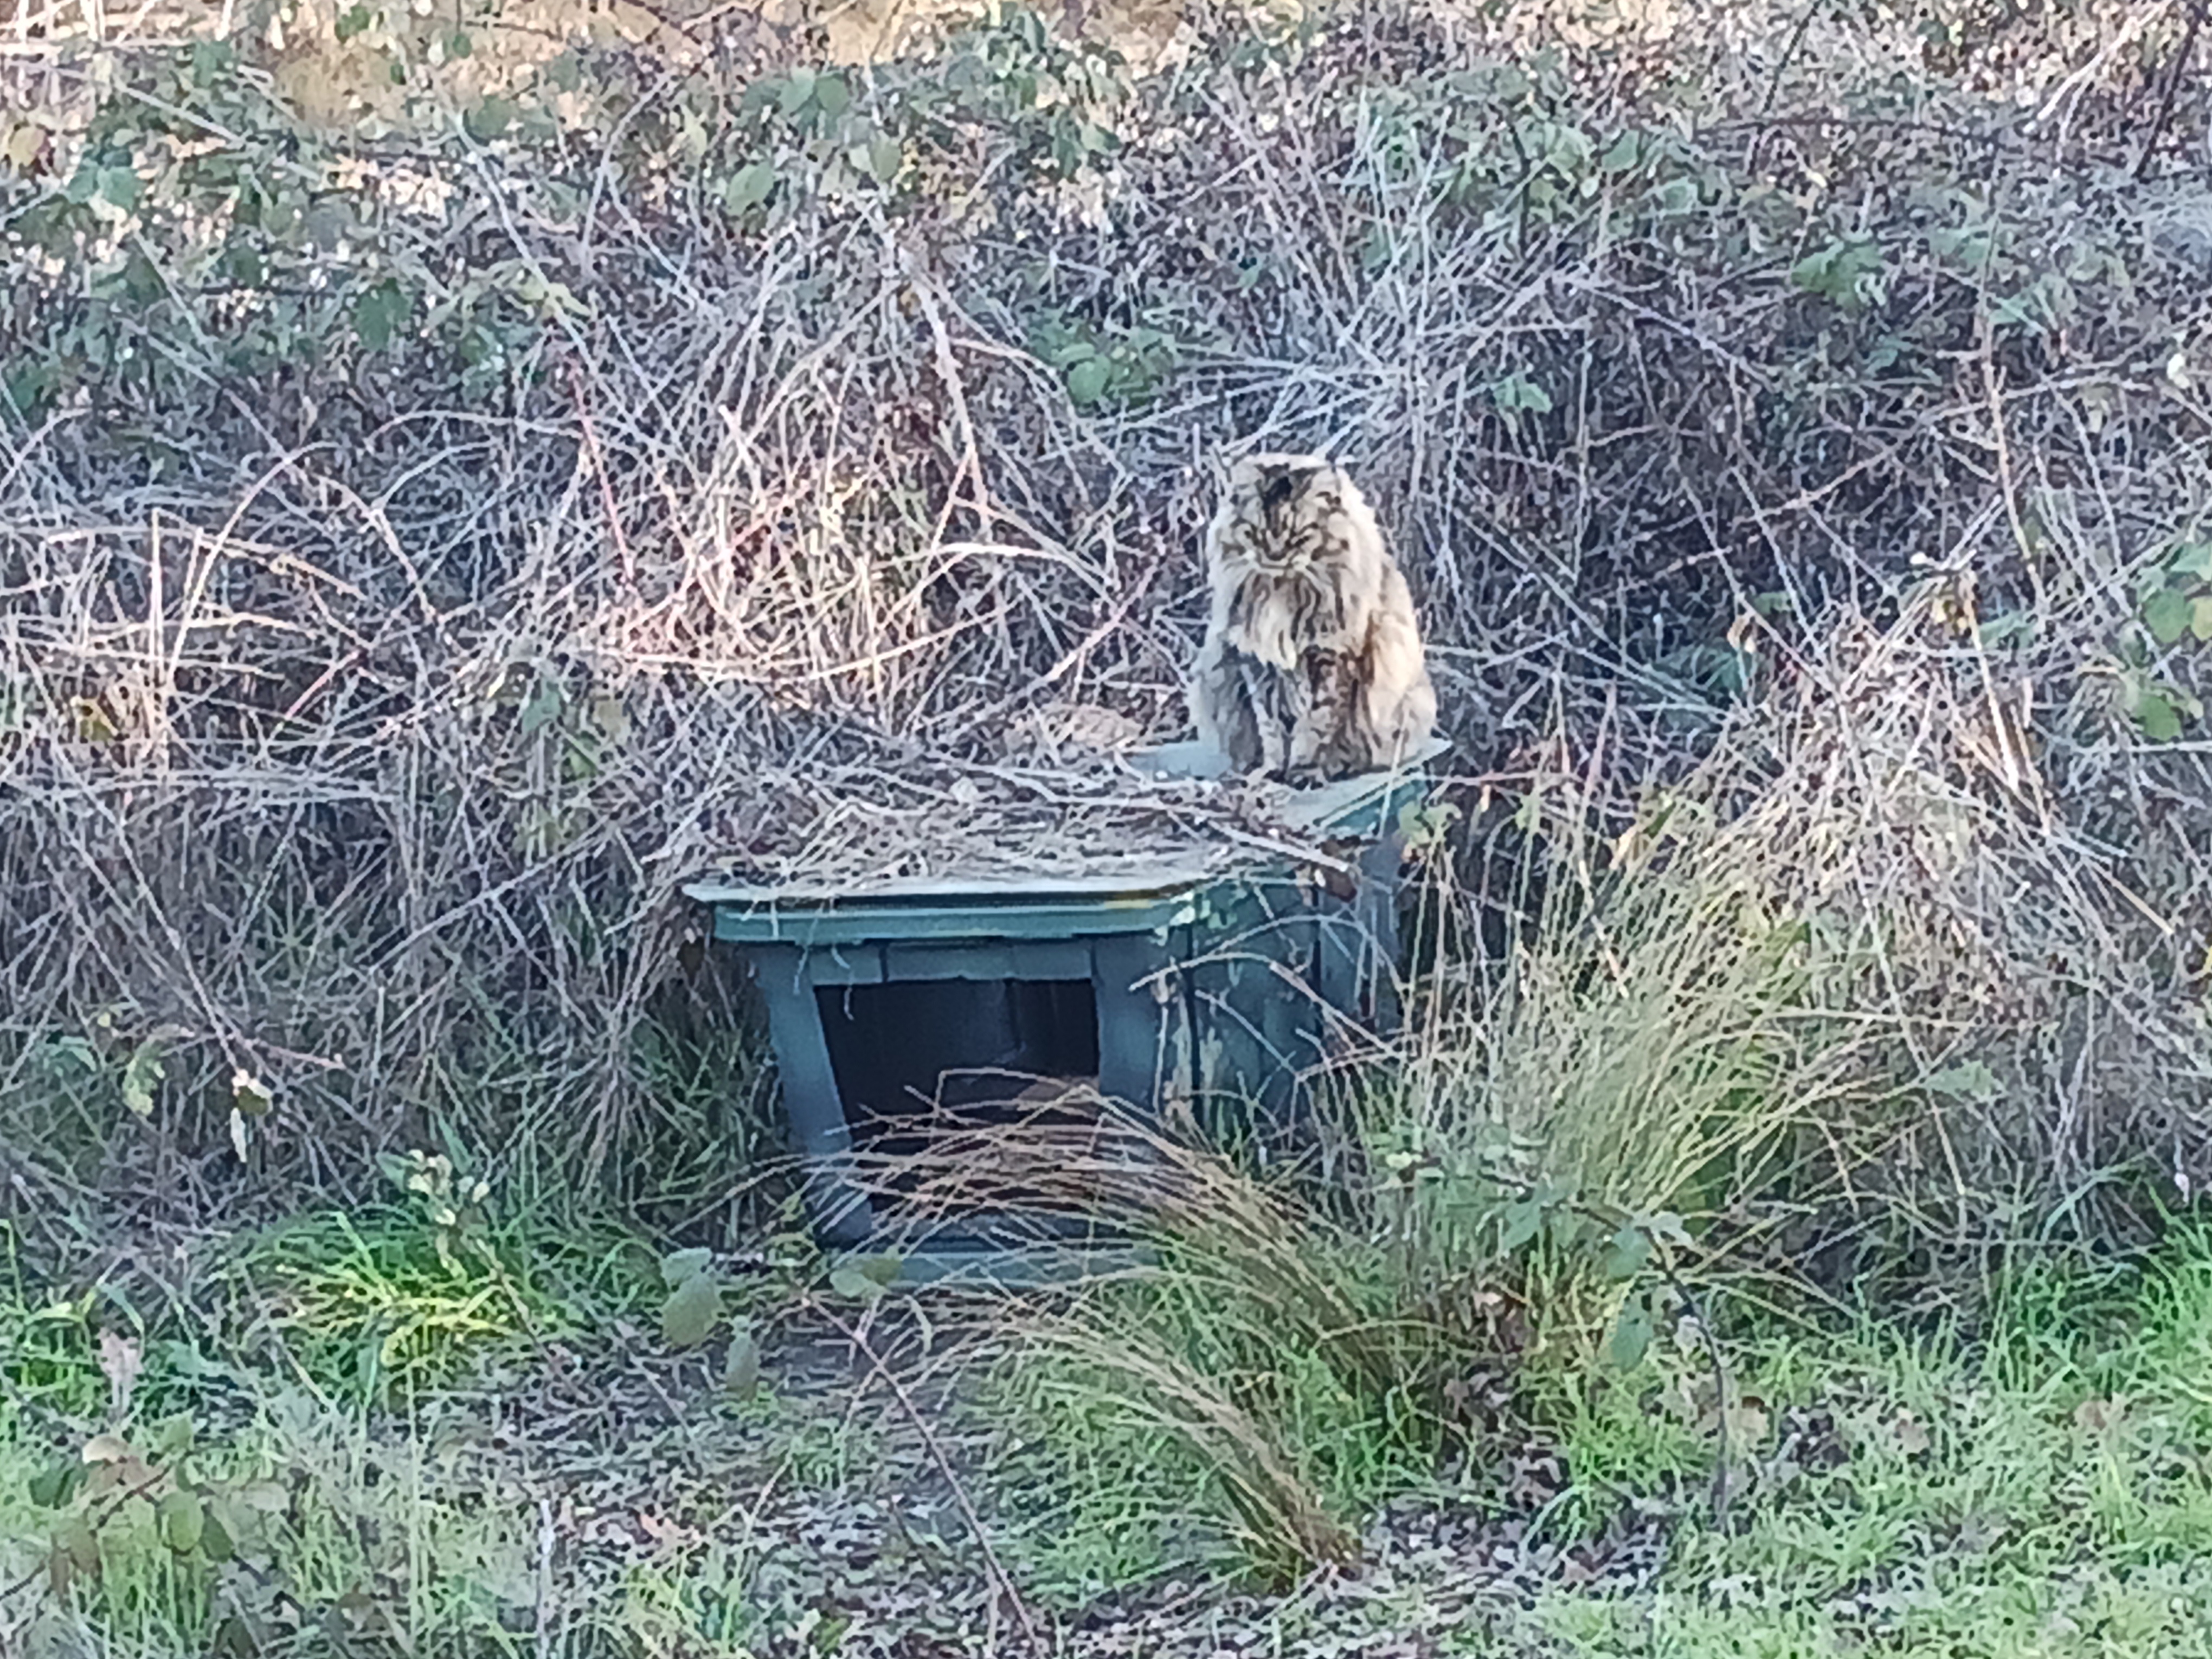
(1279, 508)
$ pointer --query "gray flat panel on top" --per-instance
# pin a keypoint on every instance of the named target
(1121, 879)
(814, 927)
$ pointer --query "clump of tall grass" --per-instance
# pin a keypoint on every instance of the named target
(1302, 1347)
(1787, 999)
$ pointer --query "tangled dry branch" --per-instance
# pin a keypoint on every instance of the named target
(362, 711)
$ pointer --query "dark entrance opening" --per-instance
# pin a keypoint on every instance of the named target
(913, 1057)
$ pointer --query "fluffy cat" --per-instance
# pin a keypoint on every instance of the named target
(1312, 666)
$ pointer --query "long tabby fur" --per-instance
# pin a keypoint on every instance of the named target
(1312, 666)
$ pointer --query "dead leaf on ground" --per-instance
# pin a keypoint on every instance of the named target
(121, 1360)
(1911, 1434)
(664, 1532)
(1748, 1423)
(108, 1449)
(1080, 726)
(2099, 1416)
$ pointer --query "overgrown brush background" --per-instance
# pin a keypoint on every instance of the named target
(462, 471)
(426, 546)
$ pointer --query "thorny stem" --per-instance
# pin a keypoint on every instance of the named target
(626, 564)
(1720, 1390)
(2172, 86)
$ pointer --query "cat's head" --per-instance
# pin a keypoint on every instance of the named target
(1280, 506)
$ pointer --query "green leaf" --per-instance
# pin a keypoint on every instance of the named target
(690, 1312)
(884, 1269)
(29, 385)
(1627, 1252)
(49, 1489)
(1631, 1335)
(142, 1075)
(184, 1523)
(1522, 1221)
(249, 1094)
(831, 95)
(264, 1498)
(854, 1284)
(24, 142)
(2193, 559)
(355, 20)
(796, 91)
(1516, 392)
(1969, 1080)
(141, 282)
(546, 702)
(1087, 379)
(2160, 720)
(76, 1540)
(1375, 250)
(381, 312)
(748, 185)
(684, 1264)
(886, 155)
(2200, 617)
(119, 187)
(1621, 156)
(215, 1542)
(741, 1367)
(1833, 272)
(210, 59)
(2166, 613)
(485, 121)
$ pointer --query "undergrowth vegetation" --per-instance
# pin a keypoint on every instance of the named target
(2038, 1486)
(439, 518)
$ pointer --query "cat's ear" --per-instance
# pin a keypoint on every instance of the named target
(1234, 468)
(1321, 485)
